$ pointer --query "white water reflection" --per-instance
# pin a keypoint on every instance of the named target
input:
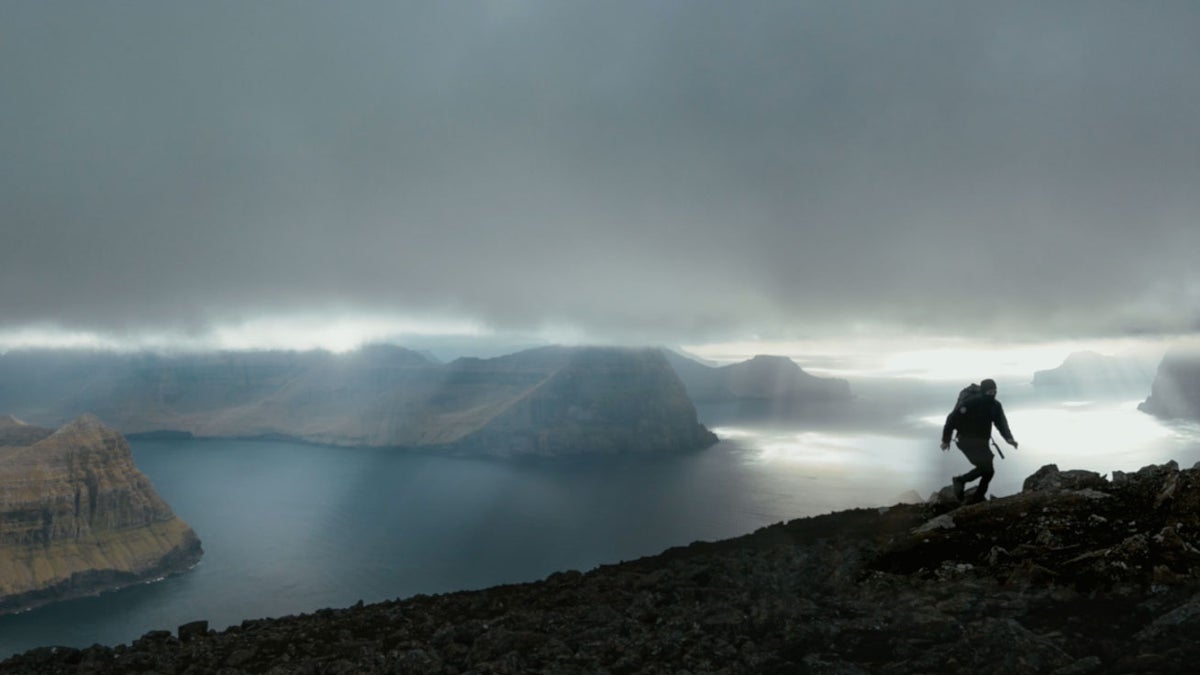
(826, 452)
(1085, 432)
(840, 468)
(823, 471)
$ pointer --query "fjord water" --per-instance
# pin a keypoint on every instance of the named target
(290, 528)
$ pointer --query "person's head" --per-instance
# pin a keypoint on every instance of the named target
(989, 387)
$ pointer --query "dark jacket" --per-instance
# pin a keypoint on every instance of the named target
(974, 419)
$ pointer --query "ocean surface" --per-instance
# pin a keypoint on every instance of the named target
(290, 528)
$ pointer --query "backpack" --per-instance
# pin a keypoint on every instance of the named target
(966, 396)
(970, 397)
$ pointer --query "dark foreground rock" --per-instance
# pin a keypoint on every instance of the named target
(1075, 574)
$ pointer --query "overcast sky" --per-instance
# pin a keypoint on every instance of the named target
(673, 171)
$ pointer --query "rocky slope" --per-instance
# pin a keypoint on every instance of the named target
(1176, 389)
(14, 432)
(77, 517)
(1078, 573)
(545, 401)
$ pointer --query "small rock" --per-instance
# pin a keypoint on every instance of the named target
(195, 629)
(943, 522)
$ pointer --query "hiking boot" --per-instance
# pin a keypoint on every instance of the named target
(959, 486)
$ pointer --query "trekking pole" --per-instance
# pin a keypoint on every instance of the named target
(995, 445)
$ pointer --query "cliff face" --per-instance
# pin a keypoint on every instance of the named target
(597, 401)
(1176, 389)
(543, 401)
(77, 517)
(1075, 574)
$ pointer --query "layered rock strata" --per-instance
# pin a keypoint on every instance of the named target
(77, 517)
(1078, 573)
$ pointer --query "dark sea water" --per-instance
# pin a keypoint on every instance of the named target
(290, 528)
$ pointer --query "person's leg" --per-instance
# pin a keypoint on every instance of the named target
(985, 478)
(959, 483)
(980, 456)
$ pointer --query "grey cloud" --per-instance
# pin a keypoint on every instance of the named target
(674, 170)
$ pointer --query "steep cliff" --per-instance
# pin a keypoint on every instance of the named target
(545, 401)
(1176, 389)
(77, 517)
(1075, 574)
(596, 401)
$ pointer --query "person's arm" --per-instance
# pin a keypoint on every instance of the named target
(1002, 423)
(951, 421)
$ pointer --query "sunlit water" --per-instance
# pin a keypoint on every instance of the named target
(848, 469)
(290, 528)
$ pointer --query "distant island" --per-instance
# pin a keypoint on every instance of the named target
(78, 518)
(1175, 393)
(1092, 375)
(762, 378)
(550, 401)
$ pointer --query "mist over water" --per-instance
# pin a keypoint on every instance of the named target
(847, 468)
(290, 528)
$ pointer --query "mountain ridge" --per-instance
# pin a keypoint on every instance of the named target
(381, 397)
(760, 378)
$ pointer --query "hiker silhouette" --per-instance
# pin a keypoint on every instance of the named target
(973, 416)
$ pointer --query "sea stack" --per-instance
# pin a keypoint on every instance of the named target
(78, 518)
(1176, 389)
